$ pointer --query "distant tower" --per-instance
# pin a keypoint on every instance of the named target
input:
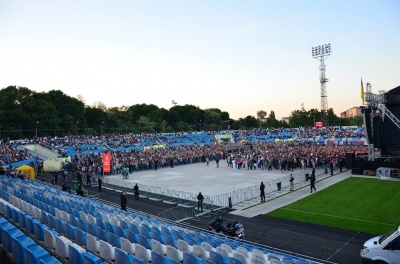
(321, 53)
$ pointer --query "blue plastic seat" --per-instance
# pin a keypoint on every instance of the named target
(91, 229)
(190, 259)
(144, 232)
(234, 261)
(75, 254)
(73, 220)
(43, 217)
(89, 258)
(82, 225)
(124, 225)
(39, 231)
(114, 240)
(50, 260)
(157, 258)
(109, 227)
(80, 237)
(157, 236)
(170, 241)
(122, 257)
(136, 260)
(132, 237)
(51, 221)
(146, 243)
(34, 253)
(7, 235)
(22, 219)
(102, 234)
(134, 228)
(18, 245)
(60, 226)
(70, 231)
(30, 225)
(217, 258)
(100, 223)
(119, 231)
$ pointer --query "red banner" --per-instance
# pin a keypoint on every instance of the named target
(106, 162)
(318, 124)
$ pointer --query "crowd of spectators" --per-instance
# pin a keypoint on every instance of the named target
(131, 152)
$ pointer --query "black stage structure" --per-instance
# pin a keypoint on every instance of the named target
(382, 126)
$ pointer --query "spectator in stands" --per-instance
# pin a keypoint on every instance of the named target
(124, 201)
(200, 199)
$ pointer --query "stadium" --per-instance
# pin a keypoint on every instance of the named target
(199, 132)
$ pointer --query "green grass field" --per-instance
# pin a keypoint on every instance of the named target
(359, 204)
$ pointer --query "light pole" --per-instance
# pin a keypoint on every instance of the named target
(101, 127)
(37, 123)
(76, 128)
(200, 125)
(321, 53)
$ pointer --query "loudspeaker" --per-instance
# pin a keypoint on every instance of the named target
(350, 158)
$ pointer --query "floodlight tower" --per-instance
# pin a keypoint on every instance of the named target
(321, 53)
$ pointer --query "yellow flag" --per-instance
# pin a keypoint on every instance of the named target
(362, 91)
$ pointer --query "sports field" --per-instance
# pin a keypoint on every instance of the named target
(360, 204)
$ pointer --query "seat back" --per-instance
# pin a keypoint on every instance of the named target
(157, 258)
(70, 231)
(158, 247)
(62, 246)
(122, 257)
(200, 252)
(190, 259)
(75, 253)
(217, 258)
(173, 253)
(240, 257)
(168, 240)
(144, 242)
(234, 261)
(142, 253)
(49, 238)
(114, 240)
(92, 243)
(80, 237)
(127, 246)
(207, 246)
(106, 250)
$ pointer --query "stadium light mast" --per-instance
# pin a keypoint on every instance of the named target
(321, 53)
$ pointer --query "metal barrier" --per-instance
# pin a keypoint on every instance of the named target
(239, 197)
(180, 213)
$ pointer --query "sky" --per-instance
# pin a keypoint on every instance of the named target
(238, 56)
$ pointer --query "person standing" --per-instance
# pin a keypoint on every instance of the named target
(291, 180)
(88, 178)
(124, 201)
(312, 182)
(200, 199)
(99, 180)
(79, 188)
(136, 191)
(262, 192)
(217, 157)
(331, 167)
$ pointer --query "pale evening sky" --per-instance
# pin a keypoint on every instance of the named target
(238, 56)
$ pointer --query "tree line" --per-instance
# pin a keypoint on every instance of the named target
(26, 114)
